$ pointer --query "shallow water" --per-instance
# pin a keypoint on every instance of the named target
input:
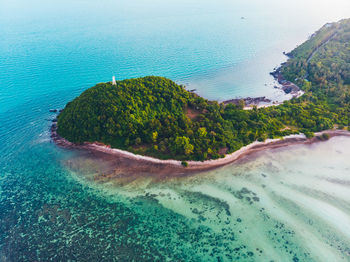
(288, 204)
(282, 205)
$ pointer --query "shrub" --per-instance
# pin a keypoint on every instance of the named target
(325, 136)
(309, 134)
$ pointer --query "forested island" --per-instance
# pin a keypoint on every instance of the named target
(154, 116)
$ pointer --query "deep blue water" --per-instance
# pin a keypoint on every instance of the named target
(50, 51)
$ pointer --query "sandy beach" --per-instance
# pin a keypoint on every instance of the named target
(121, 161)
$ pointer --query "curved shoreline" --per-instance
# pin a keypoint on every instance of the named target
(174, 167)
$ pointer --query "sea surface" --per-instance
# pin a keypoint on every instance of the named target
(289, 204)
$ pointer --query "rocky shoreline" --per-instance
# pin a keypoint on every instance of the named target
(248, 101)
(287, 86)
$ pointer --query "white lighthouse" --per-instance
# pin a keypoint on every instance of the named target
(113, 81)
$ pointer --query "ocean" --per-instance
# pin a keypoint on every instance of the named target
(288, 204)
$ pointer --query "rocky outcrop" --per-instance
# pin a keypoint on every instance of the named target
(248, 101)
(287, 86)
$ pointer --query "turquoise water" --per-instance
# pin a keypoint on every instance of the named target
(285, 205)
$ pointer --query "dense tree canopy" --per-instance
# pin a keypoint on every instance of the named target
(321, 65)
(155, 116)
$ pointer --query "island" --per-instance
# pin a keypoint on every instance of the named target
(160, 120)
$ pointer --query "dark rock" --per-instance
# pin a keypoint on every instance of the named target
(248, 100)
(287, 86)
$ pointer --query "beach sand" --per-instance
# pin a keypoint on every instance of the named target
(121, 162)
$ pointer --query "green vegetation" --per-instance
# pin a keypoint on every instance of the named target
(324, 136)
(184, 163)
(155, 116)
(321, 66)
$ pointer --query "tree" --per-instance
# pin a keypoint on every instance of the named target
(241, 104)
(154, 136)
(183, 145)
(202, 132)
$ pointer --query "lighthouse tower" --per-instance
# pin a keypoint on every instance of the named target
(113, 81)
